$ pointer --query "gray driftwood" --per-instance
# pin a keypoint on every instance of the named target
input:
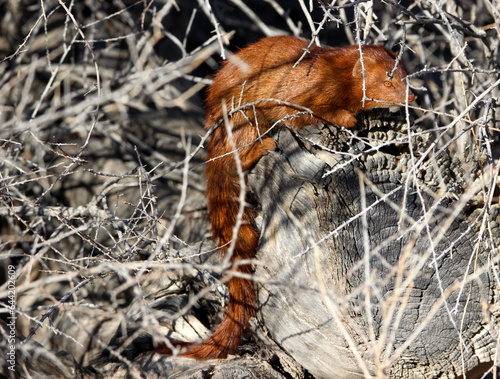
(374, 257)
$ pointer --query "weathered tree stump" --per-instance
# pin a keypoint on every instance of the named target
(376, 254)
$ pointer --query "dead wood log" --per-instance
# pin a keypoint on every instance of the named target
(376, 254)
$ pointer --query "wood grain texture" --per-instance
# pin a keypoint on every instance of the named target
(381, 277)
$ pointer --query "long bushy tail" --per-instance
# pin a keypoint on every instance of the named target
(223, 190)
(226, 338)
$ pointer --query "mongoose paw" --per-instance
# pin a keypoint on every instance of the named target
(268, 144)
(258, 149)
(346, 119)
(340, 117)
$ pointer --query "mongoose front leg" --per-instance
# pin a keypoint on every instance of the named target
(251, 156)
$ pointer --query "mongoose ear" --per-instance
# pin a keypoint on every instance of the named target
(358, 68)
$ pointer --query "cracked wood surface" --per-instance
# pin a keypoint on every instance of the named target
(370, 267)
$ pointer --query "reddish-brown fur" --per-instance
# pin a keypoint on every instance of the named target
(329, 82)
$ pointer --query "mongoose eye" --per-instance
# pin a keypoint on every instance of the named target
(387, 83)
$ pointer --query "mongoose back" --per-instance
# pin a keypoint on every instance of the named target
(333, 83)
